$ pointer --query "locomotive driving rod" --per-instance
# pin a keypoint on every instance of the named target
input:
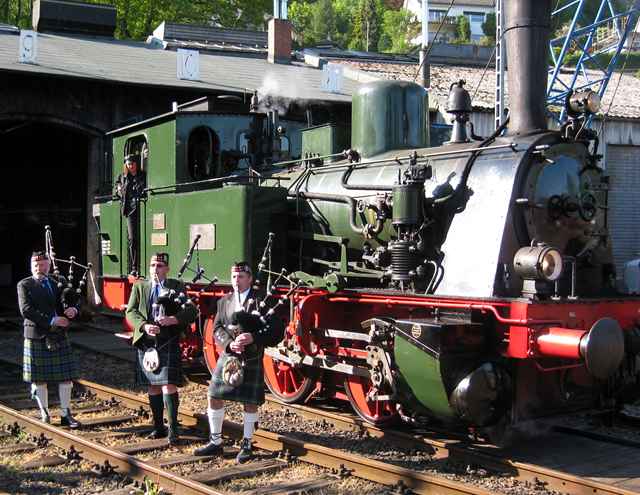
(371, 299)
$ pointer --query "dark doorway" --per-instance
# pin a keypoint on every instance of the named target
(45, 183)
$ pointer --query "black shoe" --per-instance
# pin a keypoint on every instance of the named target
(210, 449)
(157, 433)
(46, 419)
(173, 437)
(70, 421)
(245, 453)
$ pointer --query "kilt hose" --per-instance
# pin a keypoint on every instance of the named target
(39, 364)
(169, 371)
(250, 391)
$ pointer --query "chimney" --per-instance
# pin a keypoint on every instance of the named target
(279, 41)
(83, 18)
(527, 24)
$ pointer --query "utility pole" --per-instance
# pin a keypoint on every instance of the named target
(500, 65)
(425, 72)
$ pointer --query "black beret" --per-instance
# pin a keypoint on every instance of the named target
(39, 256)
(160, 258)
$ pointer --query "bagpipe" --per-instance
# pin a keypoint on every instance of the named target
(73, 285)
(70, 288)
(263, 323)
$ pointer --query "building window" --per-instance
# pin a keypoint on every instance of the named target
(203, 151)
(436, 15)
(475, 17)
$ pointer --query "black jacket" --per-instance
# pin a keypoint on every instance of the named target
(38, 306)
(132, 187)
(226, 308)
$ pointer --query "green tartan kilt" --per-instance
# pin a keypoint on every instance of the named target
(250, 391)
(39, 364)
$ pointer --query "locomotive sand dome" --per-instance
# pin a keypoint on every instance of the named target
(471, 283)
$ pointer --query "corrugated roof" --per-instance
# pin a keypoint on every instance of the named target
(137, 63)
(482, 89)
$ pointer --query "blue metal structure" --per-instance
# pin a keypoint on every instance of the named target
(618, 17)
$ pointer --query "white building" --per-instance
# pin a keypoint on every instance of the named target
(475, 10)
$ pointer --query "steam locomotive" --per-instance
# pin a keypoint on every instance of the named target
(471, 283)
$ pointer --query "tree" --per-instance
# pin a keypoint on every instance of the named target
(300, 16)
(322, 20)
(489, 28)
(396, 25)
(366, 30)
(463, 30)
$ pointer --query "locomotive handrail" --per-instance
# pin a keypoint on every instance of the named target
(469, 306)
(211, 181)
(512, 146)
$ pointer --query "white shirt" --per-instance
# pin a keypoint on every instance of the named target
(240, 298)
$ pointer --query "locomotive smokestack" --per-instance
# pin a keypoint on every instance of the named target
(526, 30)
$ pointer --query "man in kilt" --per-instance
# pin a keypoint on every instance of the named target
(242, 335)
(48, 357)
(158, 323)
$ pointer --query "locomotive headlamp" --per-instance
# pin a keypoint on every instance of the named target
(539, 266)
(583, 102)
(540, 262)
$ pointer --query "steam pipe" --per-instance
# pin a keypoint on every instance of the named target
(527, 25)
(363, 187)
(335, 198)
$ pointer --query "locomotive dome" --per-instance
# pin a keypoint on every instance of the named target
(389, 115)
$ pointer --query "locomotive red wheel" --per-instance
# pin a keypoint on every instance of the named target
(377, 412)
(287, 383)
(209, 347)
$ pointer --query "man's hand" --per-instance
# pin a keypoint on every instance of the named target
(167, 321)
(244, 339)
(71, 313)
(60, 321)
(151, 329)
(235, 347)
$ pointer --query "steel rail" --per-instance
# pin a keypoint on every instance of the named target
(460, 450)
(125, 464)
(359, 466)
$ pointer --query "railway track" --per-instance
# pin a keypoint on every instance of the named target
(125, 461)
(439, 445)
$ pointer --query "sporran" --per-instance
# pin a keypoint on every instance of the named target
(233, 371)
(151, 359)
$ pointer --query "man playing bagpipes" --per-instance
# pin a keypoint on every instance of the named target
(159, 313)
(239, 375)
(47, 305)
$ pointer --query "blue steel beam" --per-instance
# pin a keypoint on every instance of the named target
(581, 34)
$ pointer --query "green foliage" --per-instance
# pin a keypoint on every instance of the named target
(489, 28)
(366, 28)
(300, 16)
(463, 30)
(396, 26)
(138, 18)
(322, 20)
